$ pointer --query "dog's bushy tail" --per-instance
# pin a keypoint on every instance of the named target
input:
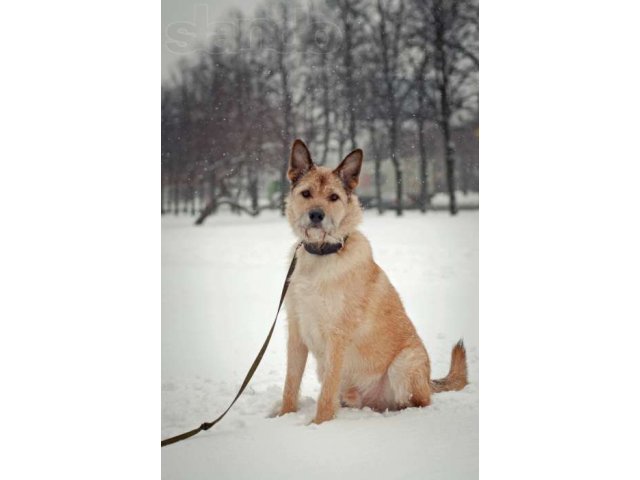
(456, 379)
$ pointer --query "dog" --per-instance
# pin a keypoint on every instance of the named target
(342, 308)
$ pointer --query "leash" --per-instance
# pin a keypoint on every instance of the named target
(254, 366)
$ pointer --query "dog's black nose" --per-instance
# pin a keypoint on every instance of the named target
(316, 215)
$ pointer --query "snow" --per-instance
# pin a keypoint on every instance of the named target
(220, 287)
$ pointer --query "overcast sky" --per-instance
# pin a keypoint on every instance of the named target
(176, 11)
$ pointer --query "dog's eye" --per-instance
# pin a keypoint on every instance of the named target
(306, 194)
(334, 197)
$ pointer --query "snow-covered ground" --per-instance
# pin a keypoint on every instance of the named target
(220, 287)
(471, 199)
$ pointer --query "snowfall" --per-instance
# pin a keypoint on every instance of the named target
(220, 288)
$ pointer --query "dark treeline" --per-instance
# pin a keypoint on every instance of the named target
(383, 75)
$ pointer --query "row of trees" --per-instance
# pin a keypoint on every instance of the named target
(339, 74)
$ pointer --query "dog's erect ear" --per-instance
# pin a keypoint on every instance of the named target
(349, 169)
(300, 161)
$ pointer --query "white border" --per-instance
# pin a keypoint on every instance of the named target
(80, 242)
(558, 239)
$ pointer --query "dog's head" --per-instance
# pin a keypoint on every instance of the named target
(322, 207)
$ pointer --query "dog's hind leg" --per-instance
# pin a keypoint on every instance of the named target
(351, 398)
(420, 388)
(409, 379)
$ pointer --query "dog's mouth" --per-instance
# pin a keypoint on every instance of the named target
(317, 234)
(314, 233)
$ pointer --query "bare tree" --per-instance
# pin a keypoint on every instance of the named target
(449, 28)
(321, 40)
(278, 28)
(349, 14)
(421, 116)
(393, 87)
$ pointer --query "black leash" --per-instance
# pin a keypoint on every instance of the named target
(247, 378)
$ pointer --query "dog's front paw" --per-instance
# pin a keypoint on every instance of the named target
(287, 409)
(321, 418)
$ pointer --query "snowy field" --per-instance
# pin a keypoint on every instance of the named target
(220, 287)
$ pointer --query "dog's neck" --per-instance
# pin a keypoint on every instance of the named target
(324, 248)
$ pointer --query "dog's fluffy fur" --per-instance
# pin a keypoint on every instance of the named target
(343, 309)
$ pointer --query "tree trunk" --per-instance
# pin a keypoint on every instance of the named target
(206, 211)
(202, 196)
(424, 171)
(378, 186)
(326, 109)
(393, 108)
(464, 174)
(253, 187)
(212, 205)
(193, 199)
(347, 31)
(377, 175)
(445, 108)
(393, 144)
(176, 196)
(398, 170)
(185, 198)
(161, 198)
(448, 146)
(451, 168)
(421, 115)
(284, 184)
(286, 106)
(341, 141)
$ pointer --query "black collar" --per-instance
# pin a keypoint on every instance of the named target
(324, 248)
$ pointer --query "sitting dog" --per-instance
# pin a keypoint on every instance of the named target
(342, 308)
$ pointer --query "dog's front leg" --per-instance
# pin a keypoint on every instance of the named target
(297, 353)
(328, 402)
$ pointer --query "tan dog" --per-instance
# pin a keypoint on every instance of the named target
(342, 307)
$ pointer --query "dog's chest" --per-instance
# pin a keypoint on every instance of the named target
(318, 305)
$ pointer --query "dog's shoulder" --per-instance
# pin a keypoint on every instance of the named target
(358, 245)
